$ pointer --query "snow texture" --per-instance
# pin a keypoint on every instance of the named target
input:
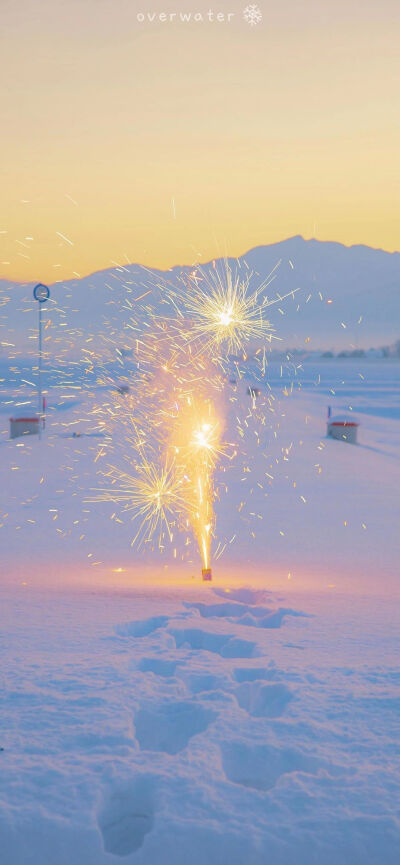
(146, 749)
(153, 720)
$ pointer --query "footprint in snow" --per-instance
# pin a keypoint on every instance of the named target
(226, 645)
(158, 666)
(141, 628)
(127, 816)
(244, 614)
(262, 699)
(261, 766)
(169, 726)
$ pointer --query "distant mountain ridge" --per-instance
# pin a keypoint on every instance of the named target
(348, 297)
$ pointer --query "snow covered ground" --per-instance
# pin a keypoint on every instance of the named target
(171, 726)
(150, 718)
(293, 501)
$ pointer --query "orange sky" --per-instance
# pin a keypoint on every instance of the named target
(164, 142)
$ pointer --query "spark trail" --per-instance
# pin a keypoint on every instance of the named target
(181, 343)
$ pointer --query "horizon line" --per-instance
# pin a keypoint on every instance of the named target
(204, 263)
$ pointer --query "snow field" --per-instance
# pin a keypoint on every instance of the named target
(199, 729)
(149, 719)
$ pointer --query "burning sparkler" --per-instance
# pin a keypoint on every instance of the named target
(223, 310)
(196, 441)
(176, 403)
(155, 495)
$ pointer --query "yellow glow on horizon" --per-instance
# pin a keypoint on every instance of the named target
(167, 145)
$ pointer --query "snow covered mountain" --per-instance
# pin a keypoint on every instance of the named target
(348, 297)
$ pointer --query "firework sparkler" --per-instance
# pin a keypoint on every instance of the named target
(176, 400)
(222, 309)
(196, 441)
(153, 493)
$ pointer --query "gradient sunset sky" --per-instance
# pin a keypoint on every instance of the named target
(165, 143)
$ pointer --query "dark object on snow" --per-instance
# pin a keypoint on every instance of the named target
(343, 427)
(123, 389)
(23, 426)
(253, 391)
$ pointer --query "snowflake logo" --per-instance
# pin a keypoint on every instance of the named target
(252, 14)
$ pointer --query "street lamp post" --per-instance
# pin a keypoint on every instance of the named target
(41, 293)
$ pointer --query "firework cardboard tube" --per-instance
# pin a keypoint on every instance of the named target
(206, 573)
